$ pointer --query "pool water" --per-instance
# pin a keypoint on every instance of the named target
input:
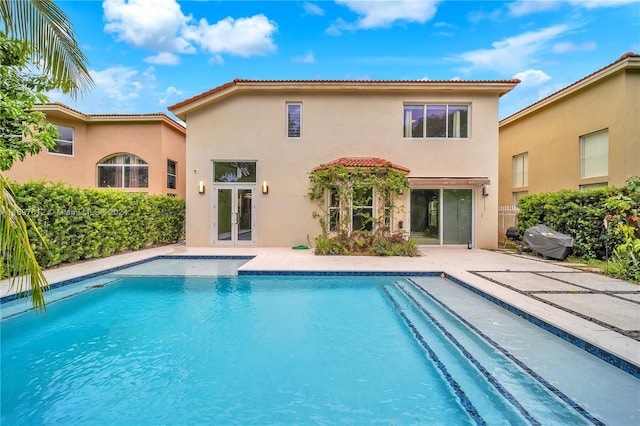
(247, 349)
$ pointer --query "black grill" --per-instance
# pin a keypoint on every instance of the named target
(513, 234)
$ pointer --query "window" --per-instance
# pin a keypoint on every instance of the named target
(594, 154)
(171, 174)
(234, 171)
(521, 170)
(518, 195)
(591, 186)
(64, 143)
(436, 121)
(334, 210)
(294, 120)
(362, 208)
(123, 171)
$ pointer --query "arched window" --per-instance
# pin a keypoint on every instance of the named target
(123, 171)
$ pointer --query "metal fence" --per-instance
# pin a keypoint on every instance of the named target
(507, 217)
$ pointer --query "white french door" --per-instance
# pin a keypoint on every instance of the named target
(234, 218)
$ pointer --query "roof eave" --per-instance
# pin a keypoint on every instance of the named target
(630, 62)
(181, 109)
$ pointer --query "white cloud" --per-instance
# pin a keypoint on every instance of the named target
(535, 85)
(163, 58)
(161, 25)
(308, 58)
(383, 14)
(513, 53)
(155, 24)
(242, 37)
(594, 4)
(312, 9)
(526, 7)
(171, 94)
(532, 77)
(568, 46)
(122, 83)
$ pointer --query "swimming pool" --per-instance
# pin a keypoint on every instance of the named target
(144, 346)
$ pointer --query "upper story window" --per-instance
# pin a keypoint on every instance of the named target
(436, 121)
(123, 171)
(171, 174)
(294, 119)
(594, 154)
(521, 170)
(64, 143)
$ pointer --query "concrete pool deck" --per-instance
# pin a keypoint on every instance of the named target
(602, 311)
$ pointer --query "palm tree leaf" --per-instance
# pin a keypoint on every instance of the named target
(16, 253)
(47, 29)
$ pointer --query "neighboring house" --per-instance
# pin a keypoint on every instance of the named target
(252, 144)
(133, 153)
(584, 136)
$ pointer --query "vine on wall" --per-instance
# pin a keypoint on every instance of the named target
(347, 183)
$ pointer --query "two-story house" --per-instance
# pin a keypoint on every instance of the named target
(252, 144)
(129, 152)
(586, 135)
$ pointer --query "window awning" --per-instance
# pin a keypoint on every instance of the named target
(365, 162)
(448, 181)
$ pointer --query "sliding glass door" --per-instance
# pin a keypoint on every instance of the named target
(441, 216)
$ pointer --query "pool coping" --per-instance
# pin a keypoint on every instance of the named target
(618, 350)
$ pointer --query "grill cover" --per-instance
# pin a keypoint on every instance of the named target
(547, 242)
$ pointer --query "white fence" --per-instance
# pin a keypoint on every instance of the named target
(507, 217)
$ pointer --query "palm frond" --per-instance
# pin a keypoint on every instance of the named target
(16, 253)
(47, 29)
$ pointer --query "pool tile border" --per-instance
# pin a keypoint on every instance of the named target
(576, 341)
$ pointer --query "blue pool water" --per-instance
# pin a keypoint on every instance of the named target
(228, 349)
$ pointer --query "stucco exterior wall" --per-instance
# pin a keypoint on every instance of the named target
(551, 136)
(154, 142)
(252, 126)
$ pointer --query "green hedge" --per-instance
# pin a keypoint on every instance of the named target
(88, 223)
(579, 214)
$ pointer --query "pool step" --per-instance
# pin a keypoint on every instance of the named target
(499, 389)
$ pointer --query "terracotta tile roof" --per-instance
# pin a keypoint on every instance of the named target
(86, 117)
(237, 81)
(366, 162)
(569, 88)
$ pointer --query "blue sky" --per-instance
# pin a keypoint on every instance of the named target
(146, 55)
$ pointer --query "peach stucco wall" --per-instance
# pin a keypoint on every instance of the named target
(252, 127)
(154, 142)
(551, 136)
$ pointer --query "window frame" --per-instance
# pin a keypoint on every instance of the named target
(292, 134)
(123, 167)
(174, 174)
(520, 175)
(60, 141)
(448, 133)
(583, 141)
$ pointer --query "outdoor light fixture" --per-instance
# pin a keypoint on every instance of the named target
(265, 187)
(201, 187)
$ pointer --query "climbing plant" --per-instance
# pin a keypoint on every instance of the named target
(335, 188)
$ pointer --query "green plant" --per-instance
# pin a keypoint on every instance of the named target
(338, 187)
(624, 218)
(82, 224)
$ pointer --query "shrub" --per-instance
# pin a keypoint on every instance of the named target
(81, 224)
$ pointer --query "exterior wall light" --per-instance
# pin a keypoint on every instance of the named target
(201, 187)
(265, 187)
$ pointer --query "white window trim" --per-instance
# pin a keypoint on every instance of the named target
(288, 104)
(424, 114)
(583, 139)
(524, 171)
(72, 142)
(175, 175)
